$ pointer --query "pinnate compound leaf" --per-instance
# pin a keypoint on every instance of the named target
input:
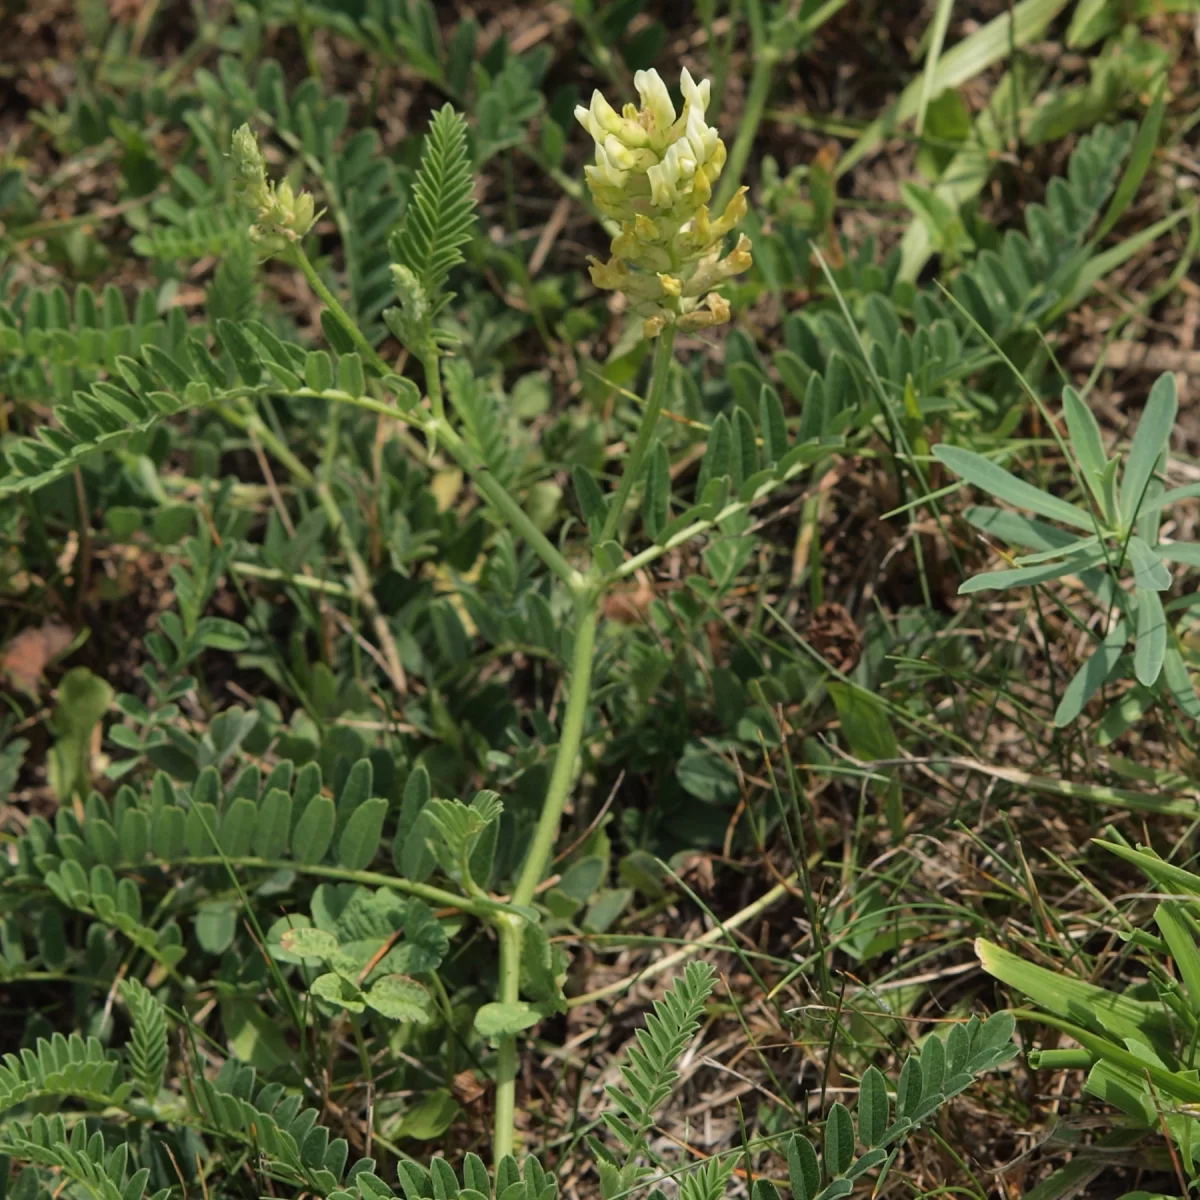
(440, 217)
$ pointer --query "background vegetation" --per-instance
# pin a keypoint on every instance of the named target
(891, 722)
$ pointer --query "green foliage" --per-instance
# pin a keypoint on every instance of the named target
(649, 1074)
(438, 221)
(1137, 1048)
(579, 584)
(1114, 539)
(148, 1043)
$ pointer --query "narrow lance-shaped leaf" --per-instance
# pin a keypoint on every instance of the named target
(1026, 576)
(983, 473)
(1088, 445)
(656, 505)
(1150, 648)
(1150, 441)
(1094, 673)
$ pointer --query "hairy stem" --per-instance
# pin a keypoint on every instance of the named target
(765, 57)
(511, 927)
(504, 502)
(664, 350)
(300, 260)
(510, 930)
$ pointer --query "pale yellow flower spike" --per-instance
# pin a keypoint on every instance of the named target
(654, 175)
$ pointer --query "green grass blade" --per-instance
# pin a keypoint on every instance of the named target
(1144, 146)
(992, 43)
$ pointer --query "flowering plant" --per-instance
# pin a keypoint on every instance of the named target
(654, 175)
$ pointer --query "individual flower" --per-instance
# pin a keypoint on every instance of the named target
(654, 175)
(282, 216)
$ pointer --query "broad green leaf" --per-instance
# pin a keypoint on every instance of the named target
(983, 473)
(318, 371)
(591, 499)
(1012, 577)
(400, 998)
(216, 924)
(350, 375)
(359, 842)
(238, 826)
(873, 1107)
(804, 1171)
(1151, 440)
(864, 722)
(1124, 714)
(500, 1020)
(1149, 570)
(839, 1140)
(83, 699)
(1076, 1000)
(254, 1037)
(315, 944)
(1092, 676)
(218, 634)
(1150, 647)
(429, 1120)
(337, 990)
(314, 830)
(1091, 20)
(274, 824)
(1088, 445)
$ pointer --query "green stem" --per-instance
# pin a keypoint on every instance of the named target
(244, 417)
(510, 931)
(510, 927)
(765, 57)
(503, 501)
(664, 350)
(565, 761)
(438, 897)
(300, 260)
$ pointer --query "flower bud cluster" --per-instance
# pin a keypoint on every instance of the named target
(654, 175)
(282, 217)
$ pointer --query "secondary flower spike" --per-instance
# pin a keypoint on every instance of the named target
(282, 216)
(654, 174)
